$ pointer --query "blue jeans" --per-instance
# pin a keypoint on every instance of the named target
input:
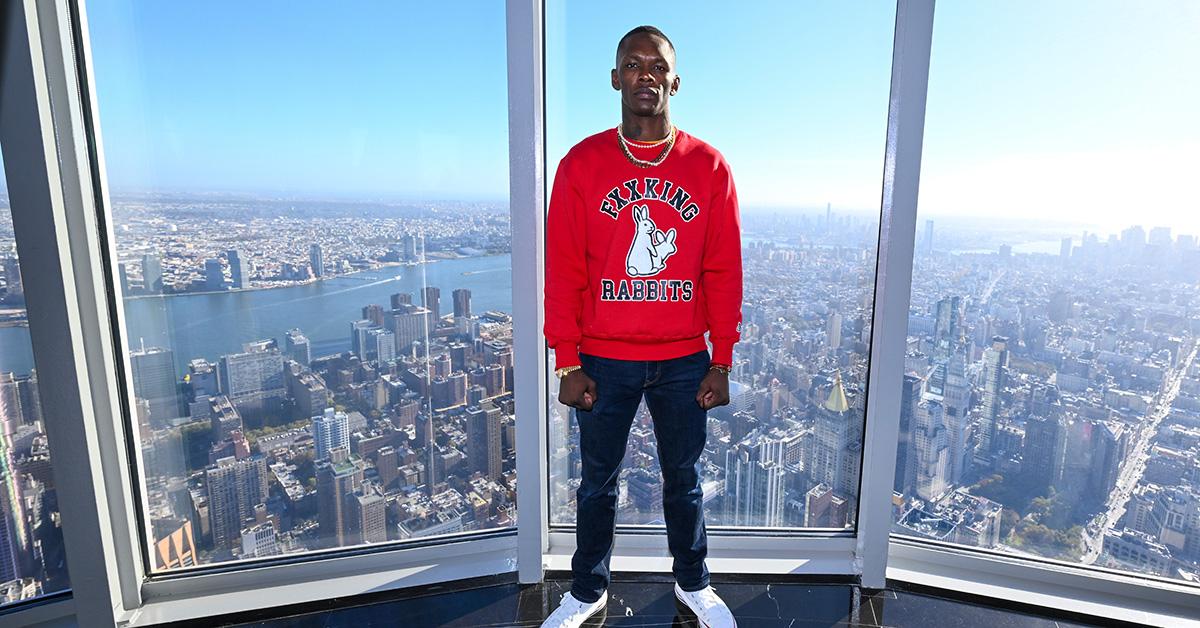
(680, 429)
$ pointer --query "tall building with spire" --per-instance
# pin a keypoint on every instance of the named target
(837, 446)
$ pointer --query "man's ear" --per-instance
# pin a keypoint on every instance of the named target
(674, 85)
(615, 83)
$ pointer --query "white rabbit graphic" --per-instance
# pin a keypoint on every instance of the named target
(650, 248)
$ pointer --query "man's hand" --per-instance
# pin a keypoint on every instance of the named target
(714, 390)
(577, 390)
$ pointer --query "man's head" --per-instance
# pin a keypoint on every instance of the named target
(645, 72)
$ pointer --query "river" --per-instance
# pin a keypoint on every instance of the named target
(211, 324)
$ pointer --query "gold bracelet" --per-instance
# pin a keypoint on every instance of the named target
(719, 368)
(562, 372)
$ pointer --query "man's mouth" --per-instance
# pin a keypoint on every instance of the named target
(645, 92)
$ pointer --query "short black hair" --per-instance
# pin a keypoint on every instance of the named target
(649, 30)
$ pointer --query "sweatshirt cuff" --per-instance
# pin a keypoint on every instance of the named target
(722, 352)
(566, 354)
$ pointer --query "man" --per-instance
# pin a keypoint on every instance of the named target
(643, 256)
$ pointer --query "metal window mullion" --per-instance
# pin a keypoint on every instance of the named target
(47, 238)
(893, 282)
(526, 157)
(72, 99)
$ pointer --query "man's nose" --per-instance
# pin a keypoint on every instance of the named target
(645, 77)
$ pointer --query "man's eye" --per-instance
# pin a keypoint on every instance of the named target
(660, 68)
(630, 65)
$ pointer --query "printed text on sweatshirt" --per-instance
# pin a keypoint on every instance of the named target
(641, 262)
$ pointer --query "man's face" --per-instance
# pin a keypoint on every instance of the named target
(645, 74)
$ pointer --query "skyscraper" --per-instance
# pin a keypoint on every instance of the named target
(462, 303)
(932, 448)
(358, 337)
(956, 400)
(995, 366)
(947, 328)
(1044, 456)
(14, 537)
(838, 442)
(13, 285)
(374, 313)
(239, 273)
(755, 482)
(224, 418)
(123, 278)
(409, 323)
(152, 281)
(316, 260)
(431, 297)
(381, 345)
(368, 514)
(253, 380)
(258, 541)
(410, 247)
(235, 487)
(214, 275)
(154, 380)
(202, 378)
(298, 348)
(906, 468)
(337, 478)
(309, 392)
(483, 440)
(833, 330)
(331, 430)
(388, 465)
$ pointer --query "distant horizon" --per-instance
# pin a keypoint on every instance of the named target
(1007, 222)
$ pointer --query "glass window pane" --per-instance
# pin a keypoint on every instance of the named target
(309, 206)
(32, 560)
(1052, 397)
(800, 114)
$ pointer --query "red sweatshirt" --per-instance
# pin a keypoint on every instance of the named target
(641, 262)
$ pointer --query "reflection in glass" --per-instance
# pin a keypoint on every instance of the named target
(32, 560)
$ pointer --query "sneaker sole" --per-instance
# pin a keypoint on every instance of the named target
(597, 618)
(683, 606)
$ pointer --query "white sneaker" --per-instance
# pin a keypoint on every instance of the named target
(710, 610)
(571, 613)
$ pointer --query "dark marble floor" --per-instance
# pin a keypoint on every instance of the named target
(647, 600)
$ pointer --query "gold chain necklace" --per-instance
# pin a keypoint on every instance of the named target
(642, 163)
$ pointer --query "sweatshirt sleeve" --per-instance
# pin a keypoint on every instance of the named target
(721, 269)
(566, 268)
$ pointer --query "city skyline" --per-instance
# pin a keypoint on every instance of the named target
(1041, 140)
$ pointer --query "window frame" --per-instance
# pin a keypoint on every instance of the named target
(47, 103)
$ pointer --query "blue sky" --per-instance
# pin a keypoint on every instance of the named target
(1076, 110)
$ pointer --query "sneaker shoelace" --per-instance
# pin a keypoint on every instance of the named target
(707, 598)
(583, 608)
